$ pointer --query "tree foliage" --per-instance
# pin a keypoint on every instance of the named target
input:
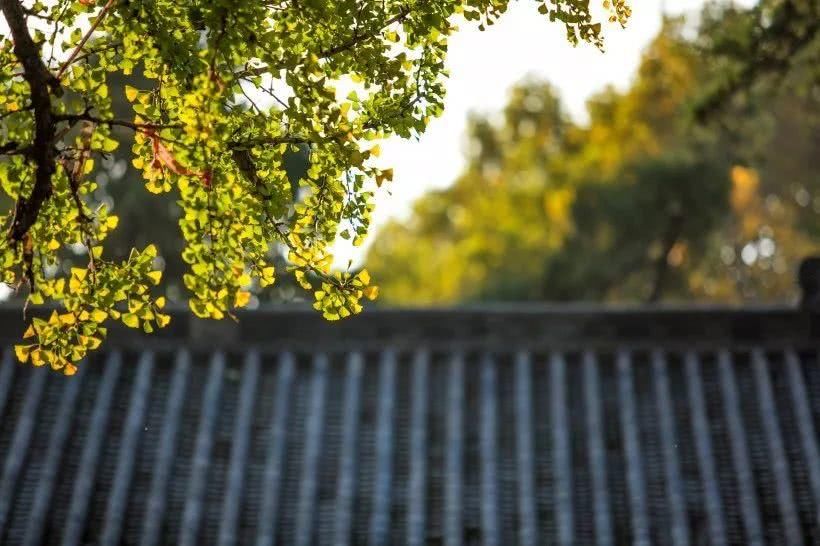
(120, 186)
(639, 203)
(230, 87)
(758, 49)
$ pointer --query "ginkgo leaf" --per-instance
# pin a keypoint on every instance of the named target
(130, 320)
(23, 351)
(371, 292)
(155, 276)
(242, 298)
(364, 276)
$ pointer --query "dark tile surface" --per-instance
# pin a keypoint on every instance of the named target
(590, 437)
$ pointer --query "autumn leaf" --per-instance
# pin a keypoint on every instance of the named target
(164, 159)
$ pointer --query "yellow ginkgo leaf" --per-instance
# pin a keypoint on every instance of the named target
(371, 292)
(23, 352)
(37, 357)
(131, 320)
(74, 284)
(242, 298)
(68, 319)
(155, 276)
(364, 276)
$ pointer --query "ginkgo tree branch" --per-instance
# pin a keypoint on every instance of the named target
(138, 127)
(269, 141)
(42, 83)
(357, 39)
(347, 45)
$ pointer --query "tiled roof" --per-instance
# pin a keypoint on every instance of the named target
(496, 427)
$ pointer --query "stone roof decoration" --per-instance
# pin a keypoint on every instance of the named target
(516, 425)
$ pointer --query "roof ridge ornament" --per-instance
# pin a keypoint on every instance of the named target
(808, 277)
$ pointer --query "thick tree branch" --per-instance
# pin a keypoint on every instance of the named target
(41, 83)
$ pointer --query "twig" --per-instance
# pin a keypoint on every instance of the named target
(85, 38)
(352, 42)
(96, 52)
(138, 127)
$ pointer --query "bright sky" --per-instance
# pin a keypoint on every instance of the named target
(483, 68)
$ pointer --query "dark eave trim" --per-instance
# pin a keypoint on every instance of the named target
(483, 327)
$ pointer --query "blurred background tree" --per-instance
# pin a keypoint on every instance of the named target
(698, 182)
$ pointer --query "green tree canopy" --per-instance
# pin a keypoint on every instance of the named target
(230, 87)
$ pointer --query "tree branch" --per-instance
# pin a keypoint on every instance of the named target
(357, 39)
(139, 127)
(85, 38)
(8, 147)
(41, 83)
(352, 42)
(269, 141)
